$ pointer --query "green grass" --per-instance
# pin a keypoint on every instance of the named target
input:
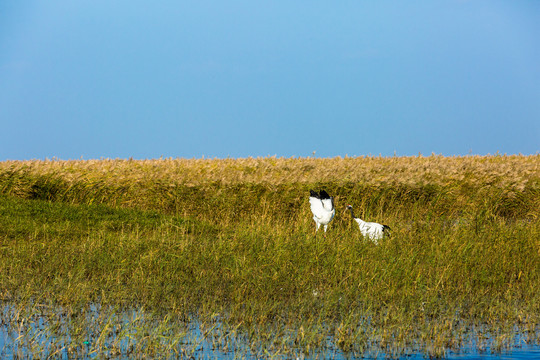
(273, 280)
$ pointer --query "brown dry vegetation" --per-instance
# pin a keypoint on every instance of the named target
(507, 186)
(514, 171)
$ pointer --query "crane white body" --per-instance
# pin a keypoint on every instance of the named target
(371, 230)
(322, 207)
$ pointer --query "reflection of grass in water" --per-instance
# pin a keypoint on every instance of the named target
(459, 257)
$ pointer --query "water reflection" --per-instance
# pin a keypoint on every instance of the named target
(39, 332)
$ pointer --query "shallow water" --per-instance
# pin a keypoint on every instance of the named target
(205, 350)
(108, 333)
(524, 353)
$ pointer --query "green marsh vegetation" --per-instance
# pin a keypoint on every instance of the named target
(124, 256)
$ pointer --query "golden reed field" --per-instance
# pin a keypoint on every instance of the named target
(451, 185)
(514, 171)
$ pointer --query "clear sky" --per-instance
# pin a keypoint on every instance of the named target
(144, 79)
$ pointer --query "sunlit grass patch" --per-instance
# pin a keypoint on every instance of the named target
(239, 255)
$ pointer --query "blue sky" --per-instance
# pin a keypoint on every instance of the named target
(141, 79)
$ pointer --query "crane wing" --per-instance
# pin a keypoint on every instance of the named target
(328, 204)
(316, 207)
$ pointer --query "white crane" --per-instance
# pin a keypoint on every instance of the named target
(322, 207)
(371, 230)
